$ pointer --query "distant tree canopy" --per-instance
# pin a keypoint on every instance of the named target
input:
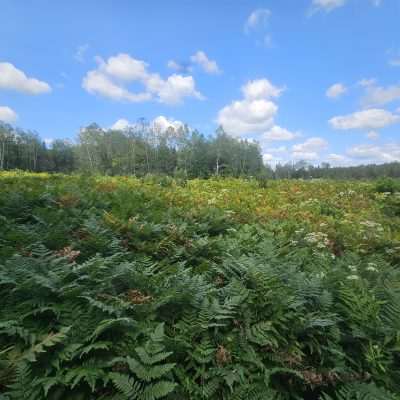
(146, 149)
(138, 150)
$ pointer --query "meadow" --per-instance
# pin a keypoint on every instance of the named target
(128, 288)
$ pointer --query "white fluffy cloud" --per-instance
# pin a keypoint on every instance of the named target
(210, 66)
(111, 78)
(7, 114)
(373, 118)
(200, 59)
(254, 115)
(124, 67)
(267, 157)
(338, 159)
(369, 153)
(310, 149)
(163, 123)
(326, 5)
(336, 90)
(247, 116)
(261, 88)
(378, 95)
(329, 5)
(96, 82)
(257, 18)
(279, 133)
(160, 124)
(182, 66)
(12, 78)
(121, 125)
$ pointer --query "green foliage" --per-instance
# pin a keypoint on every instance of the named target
(128, 289)
(387, 185)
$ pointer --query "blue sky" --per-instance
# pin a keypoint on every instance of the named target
(309, 79)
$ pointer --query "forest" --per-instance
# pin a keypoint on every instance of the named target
(145, 149)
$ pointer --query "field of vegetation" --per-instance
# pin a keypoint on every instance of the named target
(127, 288)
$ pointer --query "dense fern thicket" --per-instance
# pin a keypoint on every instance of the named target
(119, 288)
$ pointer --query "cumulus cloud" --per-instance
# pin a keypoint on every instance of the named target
(369, 153)
(180, 66)
(111, 78)
(310, 149)
(12, 78)
(258, 18)
(279, 133)
(161, 124)
(378, 95)
(366, 82)
(326, 5)
(272, 159)
(200, 59)
(254, 115)
(338, 159)
(336, 90)
(247, 116)
(329, 5)
(96, 82)
(210, 66)
(373, 118)
(7, 115)
(274, 155)
(164, 124)
(261, 88)
(121, 125)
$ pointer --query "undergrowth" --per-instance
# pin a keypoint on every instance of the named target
(126, 289)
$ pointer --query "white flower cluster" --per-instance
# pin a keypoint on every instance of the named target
(371, 229)
(372, 267)
(352, 268)
(372, 225)
(347, 193)
(319, 239)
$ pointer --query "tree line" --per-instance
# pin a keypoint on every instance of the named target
(147, 149)
(139, 150)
